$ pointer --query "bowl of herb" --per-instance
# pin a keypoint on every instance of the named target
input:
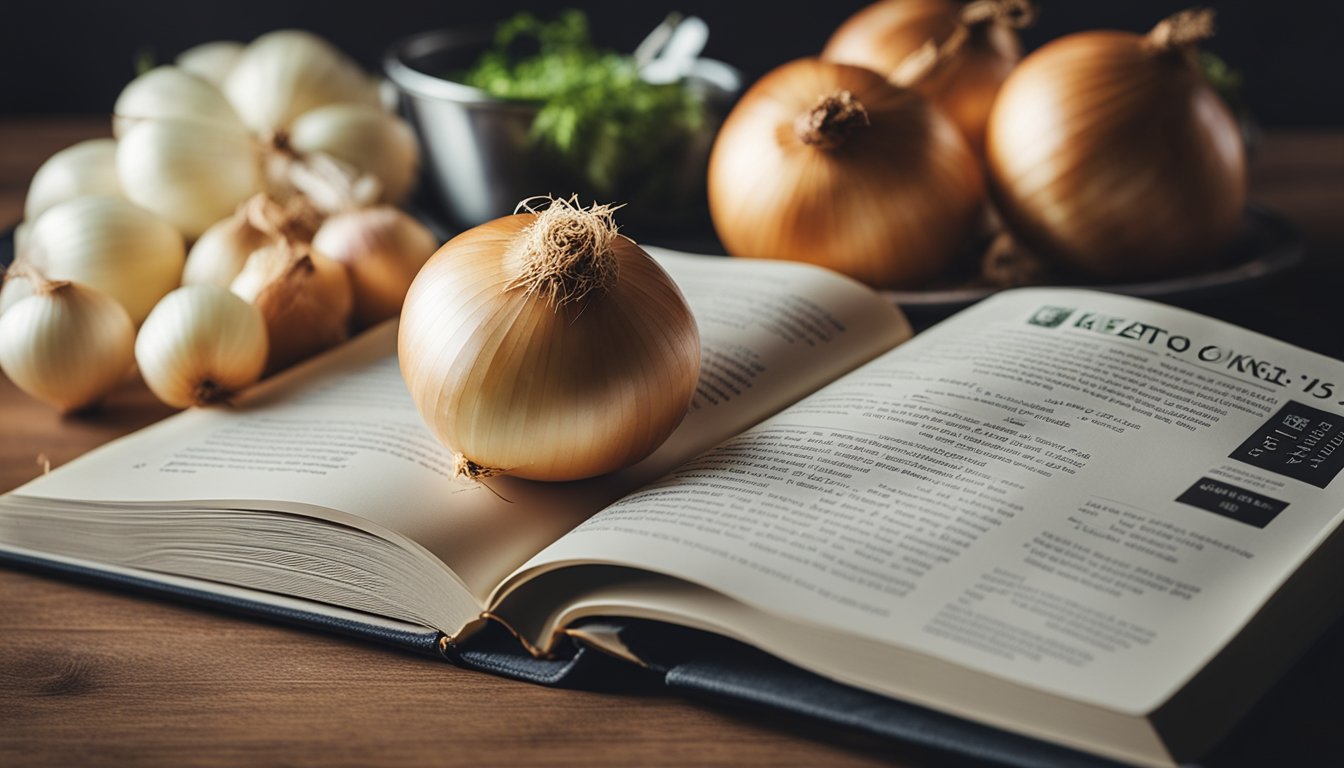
(534, 107)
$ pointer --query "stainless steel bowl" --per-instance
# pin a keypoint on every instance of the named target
(478, 156)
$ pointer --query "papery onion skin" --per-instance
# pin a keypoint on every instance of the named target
(882, 35)
(304, 297)
(1114, 160)
(15, 288)
(366, 138)
(515, 385)
(383, 248)
(220, 253)
(889, 207)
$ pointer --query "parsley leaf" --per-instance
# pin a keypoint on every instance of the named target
(598, 119)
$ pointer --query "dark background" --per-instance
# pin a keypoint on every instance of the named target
(62, 56)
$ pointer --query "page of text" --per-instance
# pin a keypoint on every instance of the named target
(341, 434)
(1073, 490)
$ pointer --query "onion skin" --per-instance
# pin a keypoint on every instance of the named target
(304, 297)
(519, 386)
(889, 206)
(383, 248)
(1116, 160)
(111, 245)
(882, 35)
(67, 344)
(86, 168)
(200, 345)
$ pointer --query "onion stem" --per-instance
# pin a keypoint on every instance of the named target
(831, 121)
(1181, 30)
(22, 269)
(1016, 14)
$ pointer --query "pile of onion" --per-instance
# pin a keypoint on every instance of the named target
(833, 165)
(978, 45)
(547, 346)
(1111, 155)
(278, 165)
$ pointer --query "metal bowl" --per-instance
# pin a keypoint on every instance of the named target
(478, 156)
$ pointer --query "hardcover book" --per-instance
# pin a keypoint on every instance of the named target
(1081, 524)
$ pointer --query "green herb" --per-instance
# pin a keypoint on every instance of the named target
(1225, 80)
(598, 119)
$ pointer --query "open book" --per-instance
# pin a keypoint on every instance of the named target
(1093, 520)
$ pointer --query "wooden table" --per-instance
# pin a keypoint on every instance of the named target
(90, 675)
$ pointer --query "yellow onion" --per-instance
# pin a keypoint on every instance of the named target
(220, 253)
(869, 179)
(304, 297)
(1111, 154)
(383, 248)
(548, 347)
(979, 48)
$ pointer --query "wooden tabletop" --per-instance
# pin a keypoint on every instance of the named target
(90, 675)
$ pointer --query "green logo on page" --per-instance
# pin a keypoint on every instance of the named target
(1050, 317)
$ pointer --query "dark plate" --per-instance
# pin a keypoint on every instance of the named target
(1268, 244)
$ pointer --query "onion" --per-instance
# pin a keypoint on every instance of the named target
(870, 179)
(221, 252)
(304, 297)
(200, 345)
(65, 343)
(1110, 154)
(548, 347)
(108, 244)
(978, 42)
(382, 248)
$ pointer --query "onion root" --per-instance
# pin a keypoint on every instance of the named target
(565, 254)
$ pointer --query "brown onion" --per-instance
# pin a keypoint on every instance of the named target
(980, 48)
(869, 179)
(1110, 154)
(304, 297)
(383, 248)
(546, 346)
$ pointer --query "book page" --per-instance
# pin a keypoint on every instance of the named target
(340, 437)
(1073, 491)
